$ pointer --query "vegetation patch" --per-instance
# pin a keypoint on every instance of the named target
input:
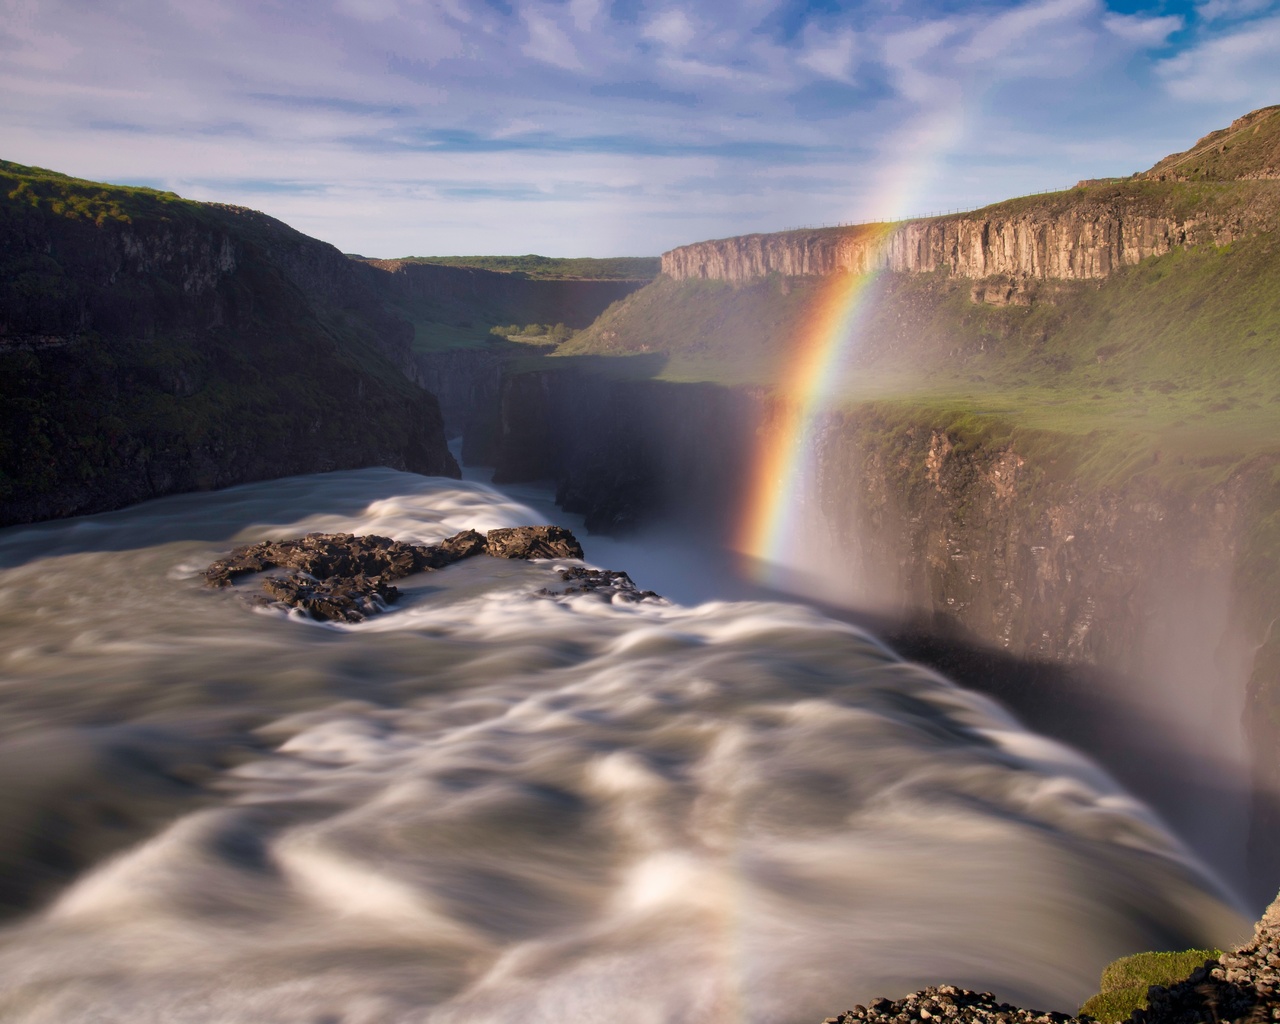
(533, 334)
(1168, 370)
(554, 268)
(38, 189)
(1125, 981)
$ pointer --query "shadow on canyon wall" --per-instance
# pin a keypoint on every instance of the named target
(1118, 643)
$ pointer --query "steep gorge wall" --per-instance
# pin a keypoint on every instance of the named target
(169, 346)
(466, 291)
(1119, 614)
(1084, 240)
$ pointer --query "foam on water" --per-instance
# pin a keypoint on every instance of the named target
(486, 805)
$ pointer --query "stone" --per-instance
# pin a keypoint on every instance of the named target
(533, 542)
(341, 577)
(605, 584)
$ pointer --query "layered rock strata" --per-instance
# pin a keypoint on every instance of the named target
(1086, 241)
(1082, 234)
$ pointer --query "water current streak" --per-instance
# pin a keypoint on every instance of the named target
(481, 806)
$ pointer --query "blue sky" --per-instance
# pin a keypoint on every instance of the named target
(584, 127)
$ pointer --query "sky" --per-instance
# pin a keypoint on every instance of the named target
(596, 128)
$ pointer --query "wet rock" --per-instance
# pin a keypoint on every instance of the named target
(337, 599)
(459, 546)
(325, 555)
(341, 577)
(606, 584)
(533, 542)
(945, 1001)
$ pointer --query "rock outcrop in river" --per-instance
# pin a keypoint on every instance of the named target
(338, 577)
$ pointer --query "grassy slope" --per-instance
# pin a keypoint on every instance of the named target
(1125, 981)
(552, 268)
(1170, 368)
(64, 196)
(1249, 148)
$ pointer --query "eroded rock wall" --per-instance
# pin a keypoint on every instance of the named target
(1083, 243)
(189, 347)
(461, 293)
(1119, 609)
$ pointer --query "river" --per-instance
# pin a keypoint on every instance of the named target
(488, 804)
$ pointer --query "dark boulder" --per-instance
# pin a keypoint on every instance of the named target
(606, 584)
(325, 555)
(336, 599)
(340, 577)
(533, 542)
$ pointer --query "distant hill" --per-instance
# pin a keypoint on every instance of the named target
(1132, 311)
(1247, 150)
(551, 268)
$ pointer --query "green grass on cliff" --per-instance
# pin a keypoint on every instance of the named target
(1248, 148)
(1170, 368)
(64, 196)
(553, 268)
(1125, 982)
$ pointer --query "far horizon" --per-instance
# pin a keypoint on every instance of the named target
(398, 127)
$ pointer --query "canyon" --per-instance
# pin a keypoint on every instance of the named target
(1052, 471)
(1053, 474)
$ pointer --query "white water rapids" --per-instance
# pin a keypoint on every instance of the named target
(485, 805)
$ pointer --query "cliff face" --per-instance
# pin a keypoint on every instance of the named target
(463, 293)
(1085, 242)
(1085, 233)
(342, 288)
(150, 346)
(1113, 619)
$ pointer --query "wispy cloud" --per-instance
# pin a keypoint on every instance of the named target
(1237, 66)
(1145, 31)
(632, 125)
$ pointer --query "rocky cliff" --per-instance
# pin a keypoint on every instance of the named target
(429, 291)
(150, 345)
(1085, 233)
(1115, 618)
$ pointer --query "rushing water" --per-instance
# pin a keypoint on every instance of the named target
(487, 805)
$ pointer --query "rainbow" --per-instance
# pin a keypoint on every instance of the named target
(807, 384)
(812, 371)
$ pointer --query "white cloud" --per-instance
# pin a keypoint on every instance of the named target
(559, 126)
(1143, 31)
(1046, 37)
(830, 54)
(1238, 67)
(1232, 10)
(369, 10)
(911, 57)
(548, 42)
(672, 28)
(584, 13)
